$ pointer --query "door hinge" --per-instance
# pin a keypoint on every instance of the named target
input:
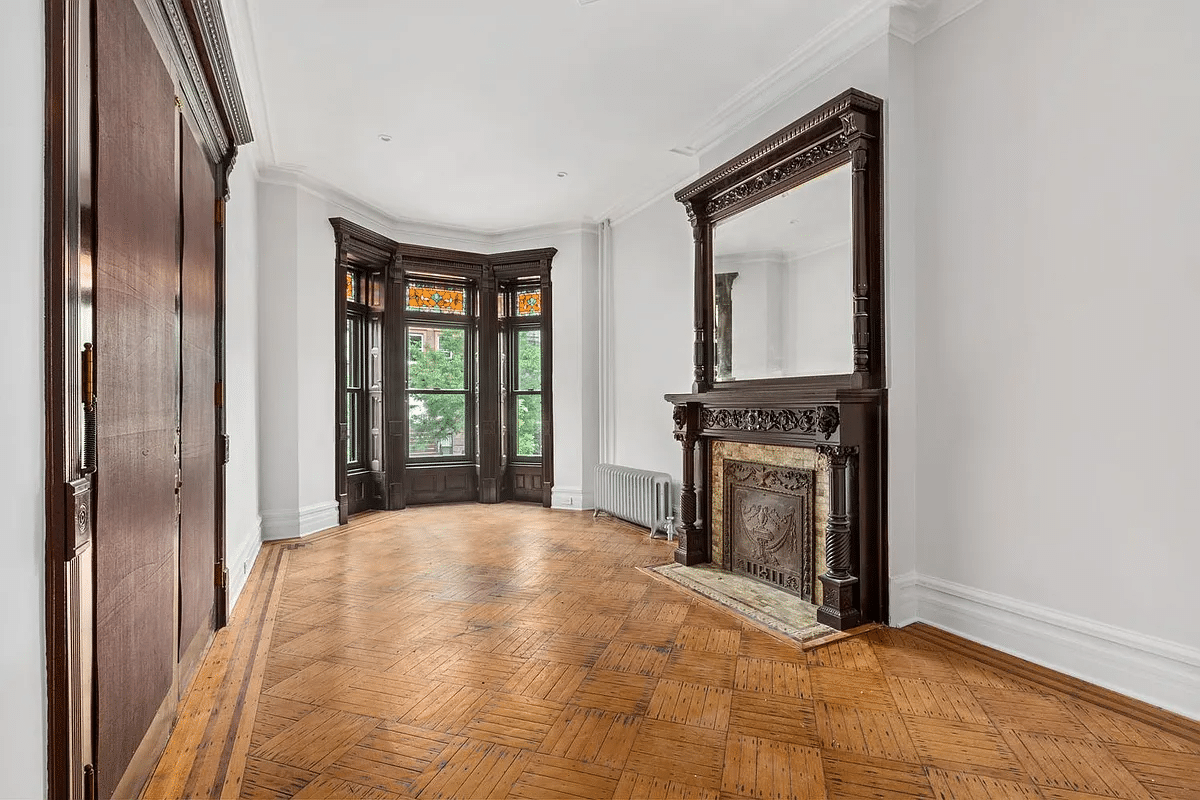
(89, 782)
(87, 389)
(220, 576)
(223, 445)
(219, 214)
(219, 394)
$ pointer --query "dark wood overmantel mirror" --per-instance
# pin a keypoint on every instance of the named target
(788, 257)
(783, 430)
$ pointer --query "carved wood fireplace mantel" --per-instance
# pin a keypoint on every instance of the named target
(845, 433)
(761, 354)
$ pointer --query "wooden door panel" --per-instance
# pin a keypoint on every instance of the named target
(137, 391)
(199, 419)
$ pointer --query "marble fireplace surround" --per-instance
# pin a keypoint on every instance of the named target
(799, 458)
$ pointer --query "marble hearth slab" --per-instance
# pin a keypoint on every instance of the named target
(774, 609)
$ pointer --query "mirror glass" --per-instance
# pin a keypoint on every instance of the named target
(783, 284)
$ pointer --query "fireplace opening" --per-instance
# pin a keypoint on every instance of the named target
(769, 506)
(769, 518)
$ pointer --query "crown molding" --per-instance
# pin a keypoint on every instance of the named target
(864, 24)
(217, 54)
(635, 203)
(245, 54)
(401, 228)
(913, 20)
(837, 42)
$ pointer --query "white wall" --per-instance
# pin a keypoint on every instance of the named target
(22, 469)
(278, 368)
(653, 262)
(576, 368)
(1057, 200)
(296, 347)
(651, 342)
(242, 522)
(315, 329)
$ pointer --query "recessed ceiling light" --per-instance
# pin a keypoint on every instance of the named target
(385, 137)
(562, 174)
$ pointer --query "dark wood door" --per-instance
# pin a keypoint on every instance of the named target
(137, 277)
(198, 432)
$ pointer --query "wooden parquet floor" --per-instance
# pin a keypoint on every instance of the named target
(509, 651)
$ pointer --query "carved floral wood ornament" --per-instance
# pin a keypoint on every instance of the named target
(840, 416)
(823, 420)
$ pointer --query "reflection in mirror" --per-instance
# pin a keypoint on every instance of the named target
(783, 284)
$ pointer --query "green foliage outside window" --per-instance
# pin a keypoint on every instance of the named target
(436, 419)
(529, 406)
(529, 425)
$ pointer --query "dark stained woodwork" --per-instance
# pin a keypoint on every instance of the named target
(400, 481)
(369, 254)
(526, 482)
(491, 475)
(69, 554)
(198, 433)
(112, 271)
(511, 267)
(440, 483)
(843, 416)
(137, 286)
(363, 492)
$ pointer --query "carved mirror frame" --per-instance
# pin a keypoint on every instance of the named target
(846, 130)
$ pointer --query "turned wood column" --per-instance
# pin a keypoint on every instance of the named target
(860, 144)
(702, 356)
(838, 607)
(692, 548)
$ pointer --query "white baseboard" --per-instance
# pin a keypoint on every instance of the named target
(301, 522)
(319, 517)
(1163, 673)
(240, 563)
(572, 499)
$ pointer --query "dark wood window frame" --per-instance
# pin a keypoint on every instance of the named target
(356, 452)
(484, 474)
(468, 324)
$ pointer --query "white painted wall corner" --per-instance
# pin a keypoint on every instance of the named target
(903, 600)
(318, 517)
(290, 524)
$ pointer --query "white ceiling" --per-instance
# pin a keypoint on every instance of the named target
(487, 100)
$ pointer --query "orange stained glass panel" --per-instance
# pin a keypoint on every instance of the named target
(529, 303)
(351, 286)
(436, 298)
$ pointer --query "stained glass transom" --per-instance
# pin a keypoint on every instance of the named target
(351, 285)
(529, 304)
(440, 299)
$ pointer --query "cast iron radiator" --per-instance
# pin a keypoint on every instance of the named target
(635, 495)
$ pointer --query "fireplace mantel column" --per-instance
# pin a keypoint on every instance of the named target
(692, 547)
(838, 609)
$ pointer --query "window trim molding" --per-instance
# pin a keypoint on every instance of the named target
(393, 262)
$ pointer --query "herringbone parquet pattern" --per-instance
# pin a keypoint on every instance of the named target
(508, 651)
